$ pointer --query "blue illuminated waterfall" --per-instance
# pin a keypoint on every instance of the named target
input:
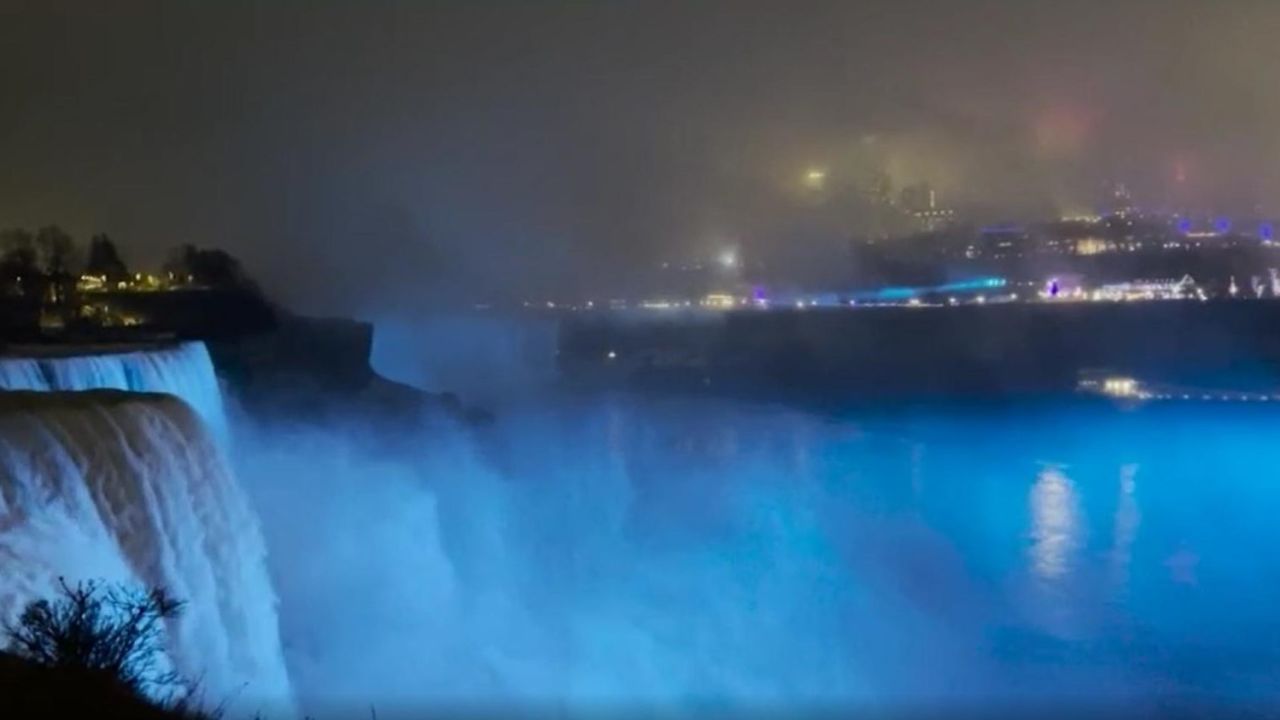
(128, 484)
(184, 370)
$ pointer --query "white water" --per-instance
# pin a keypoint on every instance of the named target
(132, 487)
(184, 370)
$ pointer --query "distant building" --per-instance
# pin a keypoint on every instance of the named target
(920, 201)
(1119, 200)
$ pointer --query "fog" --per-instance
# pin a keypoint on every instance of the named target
(624, 553)
(538, 568)
(369, 157)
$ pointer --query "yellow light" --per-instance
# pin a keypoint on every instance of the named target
(815, 178)
(717, 300)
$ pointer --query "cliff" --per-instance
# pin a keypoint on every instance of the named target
(974, 351)
(318, 369)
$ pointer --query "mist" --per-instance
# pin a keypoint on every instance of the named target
(648, 554)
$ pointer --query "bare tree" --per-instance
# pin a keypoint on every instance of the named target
(19, 264)
(56, 250)
(112, 631)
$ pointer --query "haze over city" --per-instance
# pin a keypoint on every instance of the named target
(366, 158)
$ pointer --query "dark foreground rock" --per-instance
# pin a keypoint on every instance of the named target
(32, 691)
(317, 370)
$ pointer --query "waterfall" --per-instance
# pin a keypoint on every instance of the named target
(184, 370)
(134, 487)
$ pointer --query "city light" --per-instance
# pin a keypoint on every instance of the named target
(719, 301)
(815, 178)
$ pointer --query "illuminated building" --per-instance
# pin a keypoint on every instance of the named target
(921, 202)
(1093, 246)
(1120, 201)
(1148, 290)
(91, 283)
(719, 301)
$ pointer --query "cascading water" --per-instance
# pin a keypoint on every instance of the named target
(22, 374)
(184, 370)
(133, 487)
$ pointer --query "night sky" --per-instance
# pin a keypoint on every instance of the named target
(367, 157)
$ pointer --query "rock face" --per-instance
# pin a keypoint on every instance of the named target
(972, 351)
(318, 369)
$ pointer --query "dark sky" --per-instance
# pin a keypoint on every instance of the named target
(364, 156)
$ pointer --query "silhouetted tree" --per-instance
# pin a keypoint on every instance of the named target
(19, 268)
(56, 250)
(56, 256)
(211, 268)
(104, 260)
(17, 250)
(112, 632)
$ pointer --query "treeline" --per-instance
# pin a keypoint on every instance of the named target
(44, 265)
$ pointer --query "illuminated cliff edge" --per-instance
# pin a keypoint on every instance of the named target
(133, 487)
(181, 369)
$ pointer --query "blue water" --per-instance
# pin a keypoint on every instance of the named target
(694, 554)
(1056, 549)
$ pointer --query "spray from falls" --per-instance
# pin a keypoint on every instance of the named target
(133, 487)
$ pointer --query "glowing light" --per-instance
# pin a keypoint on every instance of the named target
(1093, 246)
(905, 293)
(720, 301)
(815, 178)
(1054, 524)
(1120, 387)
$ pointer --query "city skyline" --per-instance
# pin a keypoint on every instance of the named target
(418, 151)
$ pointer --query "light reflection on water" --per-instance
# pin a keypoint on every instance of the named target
(682, 552)
(1055, 527)
(1027, 552)
(1126, 522)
